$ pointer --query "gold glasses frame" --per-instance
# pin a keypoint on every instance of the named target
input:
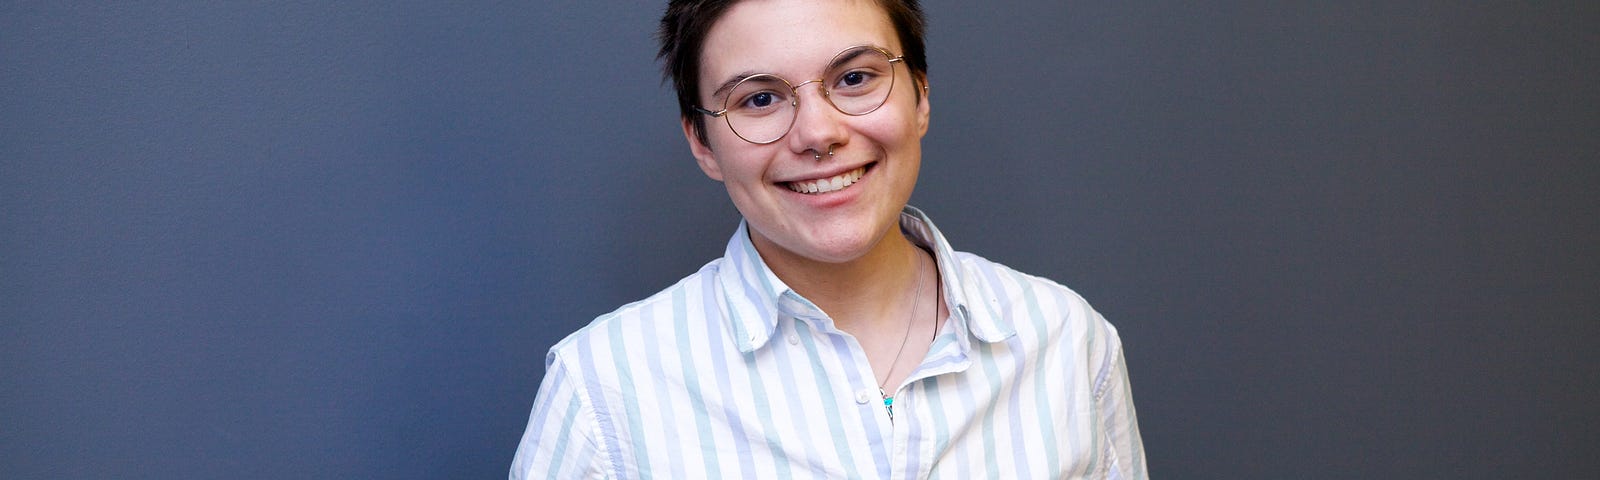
(794, 98)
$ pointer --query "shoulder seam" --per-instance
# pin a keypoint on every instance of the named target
(591, 433)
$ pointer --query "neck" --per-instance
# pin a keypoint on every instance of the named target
(858, 293)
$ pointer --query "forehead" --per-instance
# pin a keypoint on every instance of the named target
(790, 37)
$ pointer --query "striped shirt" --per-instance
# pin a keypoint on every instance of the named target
(730, 374)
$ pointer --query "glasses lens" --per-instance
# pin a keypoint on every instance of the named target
(859, 80)
(760, 108)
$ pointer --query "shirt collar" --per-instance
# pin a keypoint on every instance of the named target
(971, 306)
(752, 294)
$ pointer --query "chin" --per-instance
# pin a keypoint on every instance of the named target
(840, 246)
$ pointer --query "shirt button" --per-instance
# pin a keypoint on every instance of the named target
(794, 339)
(863, 397)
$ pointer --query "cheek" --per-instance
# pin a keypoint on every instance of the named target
(739, 162)
(893, 129)
(900, 120)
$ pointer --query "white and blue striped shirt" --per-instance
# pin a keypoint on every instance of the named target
(730, 374)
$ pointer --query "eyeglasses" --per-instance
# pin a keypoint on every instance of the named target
(761, 108)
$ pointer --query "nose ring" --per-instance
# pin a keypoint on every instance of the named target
(818, 155)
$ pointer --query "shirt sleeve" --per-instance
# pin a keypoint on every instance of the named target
(559, 442)
(1115, 401)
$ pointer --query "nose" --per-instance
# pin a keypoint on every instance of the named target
(817, 125)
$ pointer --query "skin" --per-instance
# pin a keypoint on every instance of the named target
(842, 250)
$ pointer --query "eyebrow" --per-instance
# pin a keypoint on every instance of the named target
(846, 59)
(736, 78)
(730, 82)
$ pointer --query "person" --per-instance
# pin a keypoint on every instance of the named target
(840, 335)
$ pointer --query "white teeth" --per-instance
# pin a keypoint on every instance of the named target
(838, 182)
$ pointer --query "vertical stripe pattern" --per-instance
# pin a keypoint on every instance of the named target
(730, 374)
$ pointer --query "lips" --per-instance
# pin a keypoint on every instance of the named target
(825, 185)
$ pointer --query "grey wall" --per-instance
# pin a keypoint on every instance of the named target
(1349, 240)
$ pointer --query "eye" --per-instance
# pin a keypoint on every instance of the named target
(853, 79)
(760, 100)
(759, 95)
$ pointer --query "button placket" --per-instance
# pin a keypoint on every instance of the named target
(900, 433)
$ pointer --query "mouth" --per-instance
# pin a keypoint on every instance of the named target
(826, 185)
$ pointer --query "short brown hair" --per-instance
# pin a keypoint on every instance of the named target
(687, 22)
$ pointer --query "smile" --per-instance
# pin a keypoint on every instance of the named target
(825, 185)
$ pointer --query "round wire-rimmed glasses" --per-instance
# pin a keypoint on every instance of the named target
(761, 108)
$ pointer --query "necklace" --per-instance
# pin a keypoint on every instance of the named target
(888, 400)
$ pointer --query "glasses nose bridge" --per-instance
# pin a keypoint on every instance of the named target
(818, 87)
(826, 95)
(825, 112)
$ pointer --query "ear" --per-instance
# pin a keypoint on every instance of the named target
(922, 107)
(701, 151)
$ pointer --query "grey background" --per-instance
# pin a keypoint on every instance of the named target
(294, 240)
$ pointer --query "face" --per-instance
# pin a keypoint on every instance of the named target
(796, 39)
